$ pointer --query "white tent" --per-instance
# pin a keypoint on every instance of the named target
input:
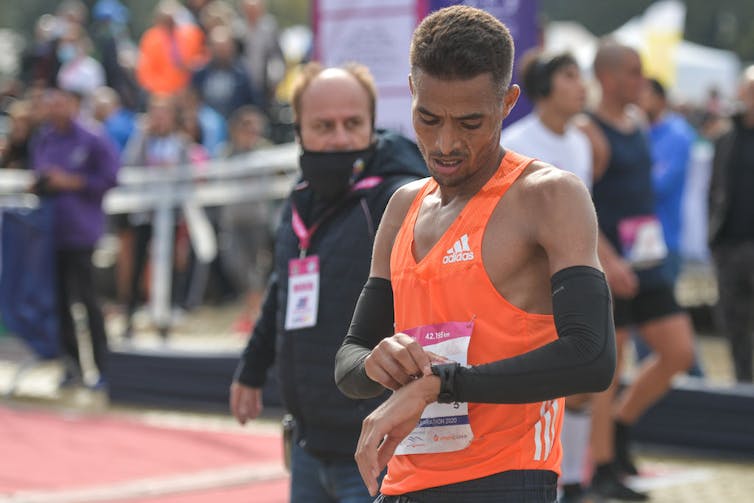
(698, 68)
(701, 68)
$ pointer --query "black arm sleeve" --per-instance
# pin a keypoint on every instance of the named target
(259, 354)
(581, 360)
(372, 321)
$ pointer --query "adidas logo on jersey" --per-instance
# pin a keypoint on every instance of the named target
(460, 251)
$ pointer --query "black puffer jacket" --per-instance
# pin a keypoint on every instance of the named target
(328, 423)
(723, 182)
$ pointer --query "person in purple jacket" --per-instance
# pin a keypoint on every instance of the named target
(74, 167)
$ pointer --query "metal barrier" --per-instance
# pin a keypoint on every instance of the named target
(262, 175)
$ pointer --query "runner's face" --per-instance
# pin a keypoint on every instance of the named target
(457, 124)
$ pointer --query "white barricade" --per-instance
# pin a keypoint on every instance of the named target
(262, 175)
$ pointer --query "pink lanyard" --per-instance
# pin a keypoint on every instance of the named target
(304, 233)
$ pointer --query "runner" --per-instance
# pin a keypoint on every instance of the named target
(500, 307)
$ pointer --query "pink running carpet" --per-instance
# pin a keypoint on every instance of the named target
(59, 458)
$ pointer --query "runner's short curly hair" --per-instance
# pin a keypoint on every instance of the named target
(461, 42)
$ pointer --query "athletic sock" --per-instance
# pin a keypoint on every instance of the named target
(575, 440)
(572, 490)
(606, 483)
(603, 471)
(623, 460)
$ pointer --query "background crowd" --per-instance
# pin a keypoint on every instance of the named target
(199, 84)
(207, 80)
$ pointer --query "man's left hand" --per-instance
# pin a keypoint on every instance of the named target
(389, 424)
(60, 180)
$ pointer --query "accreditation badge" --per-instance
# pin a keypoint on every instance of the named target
(303, 293)
(642, 240)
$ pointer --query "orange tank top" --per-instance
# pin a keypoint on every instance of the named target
(450, 284)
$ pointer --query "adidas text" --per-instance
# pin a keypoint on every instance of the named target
(460, 252)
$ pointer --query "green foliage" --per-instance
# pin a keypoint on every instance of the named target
(22, 15)
(287, 12)
(290, 12)
(599, 17)
(726, 24)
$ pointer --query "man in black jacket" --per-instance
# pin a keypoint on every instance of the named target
(322, 256)
(731, 229)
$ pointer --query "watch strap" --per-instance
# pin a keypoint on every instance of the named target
(447, 374)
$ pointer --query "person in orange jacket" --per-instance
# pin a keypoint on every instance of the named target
(169, 52)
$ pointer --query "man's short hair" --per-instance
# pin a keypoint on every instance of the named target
(657, 88)
(217, 11)
(220, 34)
(106, 96)
(312, 69)
(69, 91)
(243, 112)
(461, 42)
(538, 69)
(609, 56)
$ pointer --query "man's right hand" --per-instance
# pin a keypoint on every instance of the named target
(621, 278)
(396, 361)
(245, 402)
(389, 424)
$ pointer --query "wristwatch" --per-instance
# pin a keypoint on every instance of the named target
(447, 374)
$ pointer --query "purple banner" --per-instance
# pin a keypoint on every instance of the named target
(520, 16)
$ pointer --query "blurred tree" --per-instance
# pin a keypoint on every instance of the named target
(725, 24)
(287, 12)
(290, 12)
(22, 15)
(598, 17)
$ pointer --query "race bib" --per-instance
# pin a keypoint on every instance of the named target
(303, 293)
(443, 427)
(642, 240)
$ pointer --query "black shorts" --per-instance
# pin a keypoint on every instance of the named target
(119, 222)
(515, 486)
(646, 306)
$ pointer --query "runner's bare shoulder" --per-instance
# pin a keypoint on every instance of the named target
(551, 193)
(405, 195)
(400, 202)
(560, 214)
(391, 222)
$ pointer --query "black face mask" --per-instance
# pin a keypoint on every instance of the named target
(331, 173)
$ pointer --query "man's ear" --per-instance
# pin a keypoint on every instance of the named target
(410, 84)
(297, 131)
(510, 98)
